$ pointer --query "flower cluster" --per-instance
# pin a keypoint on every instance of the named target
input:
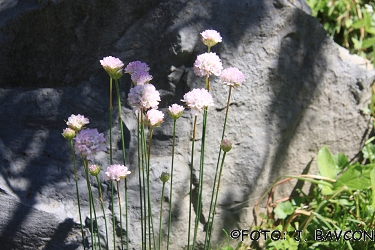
(141, 78)
(88, 142)
(143, 97)
(208, 64)
(232, 77)
(139, 72)
(197, 100)
(76, 122)
(113, 66)
(116, 172)
(175, 111)
(154, 117)
(210, 37)
(136, 66)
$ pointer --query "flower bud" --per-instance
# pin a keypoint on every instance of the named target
(164, 177)
(94, 170)
(69, 134)
(226, 145)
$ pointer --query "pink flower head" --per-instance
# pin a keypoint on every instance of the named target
(175, 111)
(88, 142)
(210, 37)
(154, 117)
(136, 66)
(94, 170)
(69, 134)
(141, 77)
(207, 64)
(144, 97)
(197, 100)
(232, 77)
(76, 122)
(113, 66)
(116, 172)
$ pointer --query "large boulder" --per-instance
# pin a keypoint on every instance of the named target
(300, 94)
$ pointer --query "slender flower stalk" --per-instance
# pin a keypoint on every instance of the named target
(117, 172)
(92, 207)
(191, 176)
(140, 168)
(113, 216)
(77, 192)
(103, 209)
(164, 177)
(150, 221)
(144, 172)
(226, 146)
(232, 77)
(175, 111)
(119, 205)
(124, 162)
(200, 183)
(208, 236)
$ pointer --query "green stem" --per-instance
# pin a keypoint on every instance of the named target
(206, 240)
(143, 156)
(148, 188)
(77, 192)
(124, 161)
(92, 206)
(102, 204)
(211, 225)
(161, 215)
(200, 184)
(171, 185)
(110, 121)
(191, 176)
(113, 218)
(140, 168)
(119, 205)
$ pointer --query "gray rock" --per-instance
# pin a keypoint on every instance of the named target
(300, 94)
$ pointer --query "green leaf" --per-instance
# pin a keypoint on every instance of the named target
(357, 43)
(370, 30)
(368, 42)
(354, 179)
(368, 151)
(227, 248)
(284, 209)
(358, 24)
(372, 177)
(341, 160)
(326, 163)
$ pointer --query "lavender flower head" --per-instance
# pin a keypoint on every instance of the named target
(69, 134)
(143, 97)
(136, 66)
(232, 77)
(210, 37)
(154, 117)
(76, 122)
(116, 172)
(88, 142)
(113, 66)
(197, 100)
(175, 111)
(141, 77)
(208, 64)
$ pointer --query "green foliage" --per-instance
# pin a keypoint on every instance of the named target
(319, 219)
(351, 23)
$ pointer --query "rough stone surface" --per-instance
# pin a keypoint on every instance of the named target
(299, 95)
